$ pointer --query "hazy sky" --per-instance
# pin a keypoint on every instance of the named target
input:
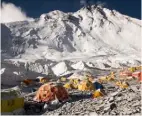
(21, 9)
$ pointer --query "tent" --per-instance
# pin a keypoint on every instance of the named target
(11, 100)
(51, 91)
(122, 84)
(86, 85)
(98, 85)
(72, 84)
(27, 82)
(68, 86)
(42, 79)
(132, 69)
(125, 73)
(63, 79)
(97, 93)
(138, 75)
(139, 68)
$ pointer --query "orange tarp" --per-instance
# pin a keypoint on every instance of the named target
(27, 81)
(49, 92)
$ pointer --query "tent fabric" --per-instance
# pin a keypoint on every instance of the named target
(49, 92)
(27, 82)
(125, 73)
(111, 76)
(11, 100)
(86, 85)
(42, 79)
(63, 79)
(12, 104)
(138, 75)
(68, 86)
(97, 85)
(132, 69)
(122, 84)
(97, 94)
(139, 67)
(72, 84)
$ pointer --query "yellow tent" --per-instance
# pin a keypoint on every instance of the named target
(97, 93)
(139, 68)
(122, 84)
(72, 84)
(68, 86)
(11, 100)
(63, 79)
(132, 69)
(86, 85)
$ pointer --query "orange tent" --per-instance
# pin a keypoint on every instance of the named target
(50, 91)
(27, 82)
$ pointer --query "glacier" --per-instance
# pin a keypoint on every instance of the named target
(59, 42)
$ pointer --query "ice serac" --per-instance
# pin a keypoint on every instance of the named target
(97, 35)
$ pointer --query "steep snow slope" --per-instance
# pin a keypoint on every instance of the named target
(95, 37)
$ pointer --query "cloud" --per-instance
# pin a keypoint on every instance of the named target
(92, 2)
(12, 13)
(100, 3)
(83, 2)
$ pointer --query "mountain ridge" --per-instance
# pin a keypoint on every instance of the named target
(87, 32)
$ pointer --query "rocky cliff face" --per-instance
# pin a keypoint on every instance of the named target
(96, 36)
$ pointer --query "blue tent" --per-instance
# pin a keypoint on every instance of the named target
(97, 85)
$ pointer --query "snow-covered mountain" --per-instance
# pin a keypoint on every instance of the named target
(93, 37)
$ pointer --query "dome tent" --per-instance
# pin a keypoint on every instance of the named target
(72, 84)
(97, 93)
(86, 85)
(81, 80)
(50, 91)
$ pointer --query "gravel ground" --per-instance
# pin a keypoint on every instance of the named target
(115, 102)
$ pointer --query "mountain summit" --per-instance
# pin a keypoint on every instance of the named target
(92, 34)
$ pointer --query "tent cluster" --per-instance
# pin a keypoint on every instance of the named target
(107, 78)
(51, 91)
(41, 80)
(132, 72)
(82, 81)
